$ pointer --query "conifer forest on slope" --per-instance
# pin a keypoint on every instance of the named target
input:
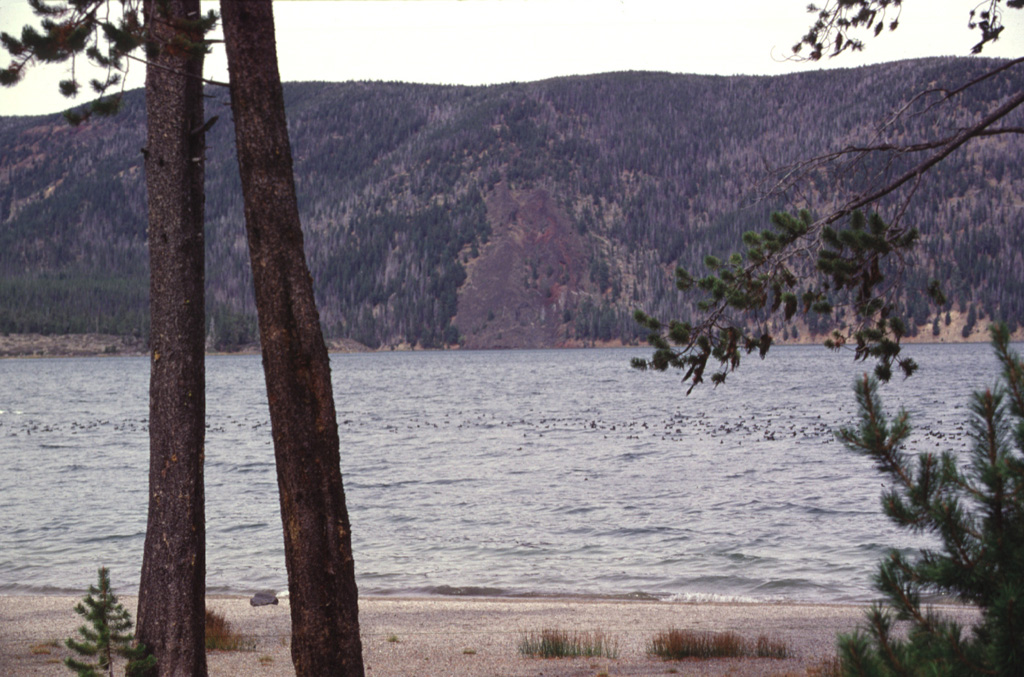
(518, 215)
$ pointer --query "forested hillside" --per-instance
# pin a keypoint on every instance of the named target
(518, 215)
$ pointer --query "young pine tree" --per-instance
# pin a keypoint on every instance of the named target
(106, 635)
(974, 504)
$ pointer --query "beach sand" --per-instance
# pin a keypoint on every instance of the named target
(468, 637)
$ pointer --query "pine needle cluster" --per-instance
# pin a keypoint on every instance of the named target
(784, 270)
(974, 505)
(89, 29)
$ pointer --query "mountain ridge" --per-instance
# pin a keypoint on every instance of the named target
(519, 215)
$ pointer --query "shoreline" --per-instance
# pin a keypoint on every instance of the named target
(470, 637)
(38, 346)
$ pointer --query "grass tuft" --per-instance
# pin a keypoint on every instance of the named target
(554, 643)
(768, 647)
(44, 648)
(678, 644)
(220, 636)
(830, 667)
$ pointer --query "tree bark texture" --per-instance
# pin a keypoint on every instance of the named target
(317, 538)
(172, 589)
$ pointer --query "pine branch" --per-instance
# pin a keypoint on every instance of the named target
(946, 148)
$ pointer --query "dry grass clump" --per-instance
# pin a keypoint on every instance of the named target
(678, 644)
(220, 636)
(768, 647)
(553, 643)
(830, 667)
(44, 648)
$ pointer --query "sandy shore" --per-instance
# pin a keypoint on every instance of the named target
(466, 637)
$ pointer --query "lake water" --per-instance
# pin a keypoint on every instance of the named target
(498, 473)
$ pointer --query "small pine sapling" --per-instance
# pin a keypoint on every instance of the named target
(106, 635)
(974, 505)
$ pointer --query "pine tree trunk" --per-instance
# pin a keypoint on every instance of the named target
(171, 615)
(318, 546)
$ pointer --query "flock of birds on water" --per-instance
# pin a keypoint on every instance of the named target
(693, 430)
(680, 427)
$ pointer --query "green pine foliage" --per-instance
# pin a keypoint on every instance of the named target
(974, 505)
(106, 635)
(79, 29)
(860, 268)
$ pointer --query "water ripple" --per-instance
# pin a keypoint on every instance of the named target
(501, 473)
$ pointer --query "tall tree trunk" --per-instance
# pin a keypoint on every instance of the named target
(317, 539)
(172, 589)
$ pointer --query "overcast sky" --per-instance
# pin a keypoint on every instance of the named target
(491, 41)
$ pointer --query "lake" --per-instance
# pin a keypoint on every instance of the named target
(560, 472)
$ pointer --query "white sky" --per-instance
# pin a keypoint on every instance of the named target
(491, 41)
